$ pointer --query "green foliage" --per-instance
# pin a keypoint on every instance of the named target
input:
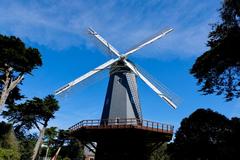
(26, 143)
(63, 136)
(16, 60)
(50, 135)
(31, 113)
(5, 131)
(34, 113)
(73, 149)
(8, 143)
(15, 54)
(206, 135)
(218, 69)
(49, 140)
(160, 153)
(9, 154)
(14, 96)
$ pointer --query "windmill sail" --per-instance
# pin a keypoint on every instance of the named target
(122, 99)
(154, 88)
(151, 40)
(85, 76)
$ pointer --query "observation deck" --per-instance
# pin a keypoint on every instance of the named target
(94, 130)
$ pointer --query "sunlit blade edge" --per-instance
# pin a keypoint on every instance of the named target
(83, 77)
(147, 42)
(102, 40)
(159, 93)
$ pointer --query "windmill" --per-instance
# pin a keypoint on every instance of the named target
(121, 106)
(122, 100)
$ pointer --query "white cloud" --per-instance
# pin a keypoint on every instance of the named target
(62, 24)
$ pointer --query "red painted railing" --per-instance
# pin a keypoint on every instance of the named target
(123, 123)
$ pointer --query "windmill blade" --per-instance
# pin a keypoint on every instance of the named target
(85, 76)
(85, 84)
(147, 42)
(104, 42)
(154, 88)
(164, 89)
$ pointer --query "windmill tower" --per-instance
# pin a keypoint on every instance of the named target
(121, 133)
(121, 100)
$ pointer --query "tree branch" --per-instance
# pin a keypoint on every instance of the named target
(14, 83)
(8, 86)
(5, 91)
(40, 123)
(37, 126)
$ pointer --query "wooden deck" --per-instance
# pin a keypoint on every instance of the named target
(131, 138)
(123, 124)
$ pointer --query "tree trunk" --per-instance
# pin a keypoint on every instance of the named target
(4, 94)
(39, 142)
(8, 85)
(56, 154)
(46, 156)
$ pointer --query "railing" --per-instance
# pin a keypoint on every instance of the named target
(120, 123)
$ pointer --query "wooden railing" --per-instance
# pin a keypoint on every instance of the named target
(114, 123)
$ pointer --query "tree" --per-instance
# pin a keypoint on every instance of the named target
(34, 113)
(62, 138)
(16, 61)
(26, 144)
(8, 142)
(206, 135)
(73, 149)
(160, 153)
(50, 138)
(218, 69)
(61, 145)
(234, 139)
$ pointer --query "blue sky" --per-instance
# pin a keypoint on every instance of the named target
(58, 28)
